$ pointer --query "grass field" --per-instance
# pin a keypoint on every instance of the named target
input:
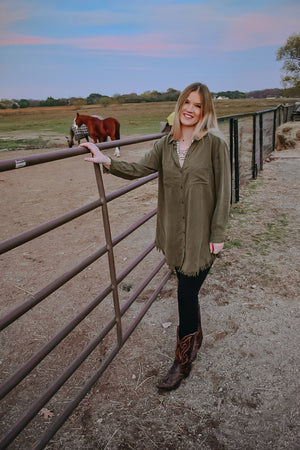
(135, 118)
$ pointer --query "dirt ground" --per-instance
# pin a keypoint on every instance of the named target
(243, 391)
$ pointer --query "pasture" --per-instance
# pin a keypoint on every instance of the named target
(46, 127)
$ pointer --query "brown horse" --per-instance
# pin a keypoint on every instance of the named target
(78, 133)
(99, 130)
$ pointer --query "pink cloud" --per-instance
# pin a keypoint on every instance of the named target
(148, 45)
(23, 40)
(256, 30)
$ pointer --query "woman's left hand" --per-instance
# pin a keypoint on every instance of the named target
(98, 156)
(215, 248)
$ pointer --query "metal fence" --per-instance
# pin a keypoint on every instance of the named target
(251, 138)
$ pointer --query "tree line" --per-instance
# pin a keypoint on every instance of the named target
(148, 96)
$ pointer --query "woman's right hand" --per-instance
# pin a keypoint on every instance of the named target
(98, 156)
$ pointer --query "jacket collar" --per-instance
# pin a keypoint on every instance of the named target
(170, 138)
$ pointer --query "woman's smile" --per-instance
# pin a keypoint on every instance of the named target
(188, 116)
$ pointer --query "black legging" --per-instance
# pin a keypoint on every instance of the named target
(188, 304)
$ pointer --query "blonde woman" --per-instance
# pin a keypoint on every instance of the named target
(193, 205)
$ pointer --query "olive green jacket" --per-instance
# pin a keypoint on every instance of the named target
(193, 200)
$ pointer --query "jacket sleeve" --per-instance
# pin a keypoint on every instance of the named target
(222, 178)
(149, 163)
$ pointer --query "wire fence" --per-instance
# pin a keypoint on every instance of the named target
(252, 139)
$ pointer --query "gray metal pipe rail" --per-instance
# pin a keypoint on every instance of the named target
(18, 163)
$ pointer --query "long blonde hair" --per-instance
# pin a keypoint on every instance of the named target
(209, 118)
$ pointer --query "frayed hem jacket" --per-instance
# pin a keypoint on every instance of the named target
(193, 200)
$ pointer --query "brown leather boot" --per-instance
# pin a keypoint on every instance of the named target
(198, 341)
(182, 364)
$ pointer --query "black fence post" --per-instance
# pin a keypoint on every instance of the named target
(261, 142)
(236, 161)
(274, 129)
(280, 115)
(231, 155)
(254, 164)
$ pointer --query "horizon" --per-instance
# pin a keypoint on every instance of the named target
(148, 90)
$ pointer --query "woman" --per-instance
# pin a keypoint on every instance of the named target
(193, 205)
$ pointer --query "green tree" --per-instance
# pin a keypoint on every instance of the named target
(23, 103)
(6, 103)
(93, 99)
(171, 94)
(290, 54)
(105, 101)
(77, 101)
(231, 94)
(54, 102)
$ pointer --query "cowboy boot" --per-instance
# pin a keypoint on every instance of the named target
(182, 364)
(198, 340)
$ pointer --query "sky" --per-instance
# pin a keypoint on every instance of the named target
(73, 48)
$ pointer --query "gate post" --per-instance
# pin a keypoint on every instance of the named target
(109, 245)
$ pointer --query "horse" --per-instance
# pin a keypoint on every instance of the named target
(78, 133)
(99, 130)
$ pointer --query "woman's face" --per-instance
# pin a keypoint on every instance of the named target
(191, 111)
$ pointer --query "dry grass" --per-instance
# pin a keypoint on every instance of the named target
(135, 118)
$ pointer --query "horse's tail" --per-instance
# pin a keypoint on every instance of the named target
(117, 133)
